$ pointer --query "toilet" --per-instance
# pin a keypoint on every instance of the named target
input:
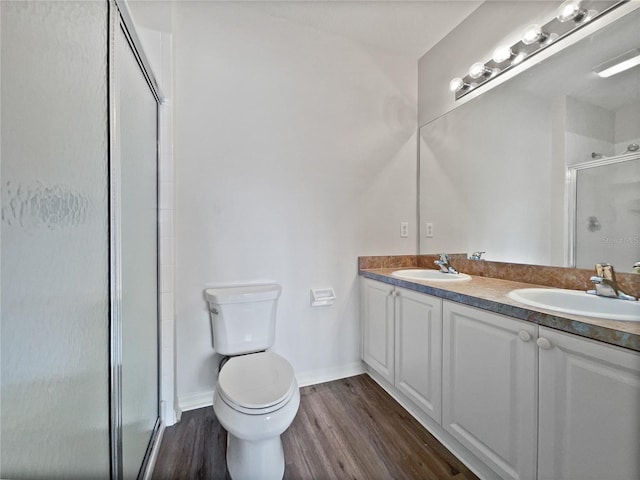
(257, 396)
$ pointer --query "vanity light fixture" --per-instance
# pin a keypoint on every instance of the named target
(457, 84)
(479, 70)
(571, 10)
(518, 58)
(570, 16)
(619, 64)
(534, 34)
(503, 53)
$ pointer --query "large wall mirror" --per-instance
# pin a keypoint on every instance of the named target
(496, 173)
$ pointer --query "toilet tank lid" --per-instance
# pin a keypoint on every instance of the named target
(243, 293)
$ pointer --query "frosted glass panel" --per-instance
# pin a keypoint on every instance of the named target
(138, 134)
(54, 262)
(608, 215)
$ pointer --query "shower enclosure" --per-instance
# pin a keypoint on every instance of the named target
(79, 242)
(604, 211)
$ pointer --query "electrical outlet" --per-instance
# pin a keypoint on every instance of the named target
(428, 230)
(404, 229)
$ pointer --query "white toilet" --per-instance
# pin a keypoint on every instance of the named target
(257, 396)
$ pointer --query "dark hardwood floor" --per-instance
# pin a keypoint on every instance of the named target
(349, 428)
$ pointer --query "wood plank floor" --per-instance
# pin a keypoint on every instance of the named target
(350, 428)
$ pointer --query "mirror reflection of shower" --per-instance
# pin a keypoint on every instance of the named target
(607, 211)
(593, 224)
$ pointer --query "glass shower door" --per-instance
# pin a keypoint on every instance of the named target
(54, 406)
(79, 276)
(608, 214)
(137, 135)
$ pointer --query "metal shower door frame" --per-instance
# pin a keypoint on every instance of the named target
(120, 19)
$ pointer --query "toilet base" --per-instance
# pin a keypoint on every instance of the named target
(255, 460)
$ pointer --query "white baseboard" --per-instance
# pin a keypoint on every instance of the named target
(330, 374)
(191, 401)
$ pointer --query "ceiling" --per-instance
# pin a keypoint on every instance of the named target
(395, 26)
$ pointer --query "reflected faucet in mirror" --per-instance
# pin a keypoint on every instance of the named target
(606, 285)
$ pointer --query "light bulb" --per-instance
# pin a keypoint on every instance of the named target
(533, 34)
(478, 70)
(502, 54)
(457, 84)
(518, 58)
(570, 10)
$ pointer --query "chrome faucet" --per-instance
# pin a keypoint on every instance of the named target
(476, 256)
(443, 263)
(606, 285)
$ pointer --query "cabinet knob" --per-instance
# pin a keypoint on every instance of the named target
(395, 293)
(524, 336)
(543, 343)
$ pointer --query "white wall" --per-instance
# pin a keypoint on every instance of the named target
(595, 129)
(295, 152)
(590, 129)
(627, 125)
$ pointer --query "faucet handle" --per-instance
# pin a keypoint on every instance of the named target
(599, 270)
(444, 257)
(605, 270)
(476, 256)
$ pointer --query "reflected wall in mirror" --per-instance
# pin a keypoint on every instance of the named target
(493, 172)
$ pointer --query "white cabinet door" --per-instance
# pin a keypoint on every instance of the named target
(419, 350)
(489, 386)
(589, 410)
(378, 327)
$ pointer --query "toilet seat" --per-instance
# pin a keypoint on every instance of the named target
(257, 383)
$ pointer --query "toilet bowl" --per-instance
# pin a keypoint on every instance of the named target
(256, 399)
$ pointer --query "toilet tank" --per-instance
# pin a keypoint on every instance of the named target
(243, 318)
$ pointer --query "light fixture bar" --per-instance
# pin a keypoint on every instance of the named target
(571, 16)
(619, 64)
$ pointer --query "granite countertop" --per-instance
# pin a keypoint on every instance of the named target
(491, 294)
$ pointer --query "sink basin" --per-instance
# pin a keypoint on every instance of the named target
(430, 275)
(578, 302)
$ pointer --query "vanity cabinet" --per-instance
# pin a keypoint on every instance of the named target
(589, 404)
(402, 341)
(489, 387)
(378, 312)
(418, 349)
(529, 402)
